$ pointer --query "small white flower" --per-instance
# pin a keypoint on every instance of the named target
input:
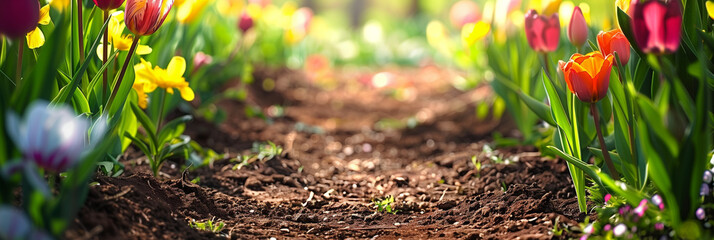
(589, 229)
(52, 137)
(619, 230)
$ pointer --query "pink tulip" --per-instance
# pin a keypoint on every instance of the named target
(144, 17)
(543, 33)
(18, 17)
(578, 28)
(657, 25)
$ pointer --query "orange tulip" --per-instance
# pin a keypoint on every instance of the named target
(144, 17)
(588, 76)
(614, 41)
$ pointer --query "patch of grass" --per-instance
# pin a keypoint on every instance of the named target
(261, 152)
(385, 204)
(208, 225)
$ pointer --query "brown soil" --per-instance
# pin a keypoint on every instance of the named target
(336, 161)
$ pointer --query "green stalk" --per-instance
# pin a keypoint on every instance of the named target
(161, 111)
(80, 29)
(605, 153)
(105, 48)
(18, 71)
(123, 71)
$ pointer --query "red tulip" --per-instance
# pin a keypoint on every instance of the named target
(543, 33)
(578, 28)
(246, 22)
(614, 41)
(657, 25)
(18, 17)
(144, 17)
(588, 76)
(107, 5)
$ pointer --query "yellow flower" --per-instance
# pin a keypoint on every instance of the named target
(190, 9)
(143, 97)
(230, 7)
(60, 5)
(119, 41)
(473, 32)
(168, 79)
(623, 4)
(710, 9)
(35, 38)
(551, 7)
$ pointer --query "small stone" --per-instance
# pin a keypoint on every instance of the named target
(253, 183)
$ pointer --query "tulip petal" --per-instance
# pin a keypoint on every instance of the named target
(672, 26)
(35, 38)
(654, 13)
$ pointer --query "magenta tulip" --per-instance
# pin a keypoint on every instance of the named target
(543, 32)
(18, 17)
(578, 28)
(657, 25)
(107, 5)
(245, 23)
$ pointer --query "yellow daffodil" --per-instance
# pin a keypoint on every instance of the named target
(623, 4)
(473, 32)
(188, 10)
(168, 79)
(710, 9)
(551, 7)
(119, 41)
(60, 5)
(230, 7)
(35, 38)
(143, 97)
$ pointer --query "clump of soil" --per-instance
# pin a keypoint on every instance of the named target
(343, 149)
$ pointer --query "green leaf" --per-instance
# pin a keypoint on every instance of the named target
(140, 144)
(591, 170)
(77, 77)
(655, 124)
(624, 21)
(147, 124)
(539, 108)
(173, 129)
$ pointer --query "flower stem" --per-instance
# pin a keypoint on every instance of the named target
(123, 71)
(546, 66)
(18, 71)
(161, 111)
(80, 30)
(105, 49)
(605, 153)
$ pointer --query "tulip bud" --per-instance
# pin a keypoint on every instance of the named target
(144, 17)
(245, 23)
(588, 76)
(614, 41)
(201, 59)
(543, 33)
(52, 138)
(107, 5)
(19, 17)
(578, 28)
(657, 25)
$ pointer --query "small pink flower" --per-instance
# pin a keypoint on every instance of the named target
(607, 197)
(640, 209)
(245, 23)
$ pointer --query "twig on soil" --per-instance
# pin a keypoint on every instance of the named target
(443, 194)
(127, 190)
(312, 194)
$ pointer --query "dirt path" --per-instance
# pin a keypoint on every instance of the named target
(340, 153)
